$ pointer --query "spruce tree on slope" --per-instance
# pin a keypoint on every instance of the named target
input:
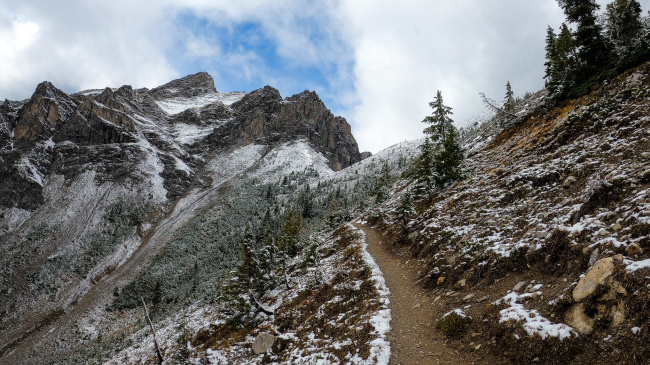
(441, 154)
(591, 47)
(509, 104)
(446, 164)
(406, 210)
(424, 168)
(623, 25)
(439, 121)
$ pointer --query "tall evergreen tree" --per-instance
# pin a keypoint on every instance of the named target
(509, 104)
(406, 210)
(591, 48)
(623, 24)
(447, 160)
(441, 153)
(551, 64)
(424, 167)
(289, 239)
(439, 121)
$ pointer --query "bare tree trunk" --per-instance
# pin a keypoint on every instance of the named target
(284, 272)
(155, 341)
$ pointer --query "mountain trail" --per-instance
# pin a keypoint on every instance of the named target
(413, 338)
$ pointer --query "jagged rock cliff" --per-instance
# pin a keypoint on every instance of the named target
(263, 116)
(111, 131)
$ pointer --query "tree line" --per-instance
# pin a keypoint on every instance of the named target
(589, 48)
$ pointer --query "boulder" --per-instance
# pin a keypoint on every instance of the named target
(618, 314)
(569, 181)
(519, 286)
(576, 318)
(597, 275)
(263, 342)
(594, 257)
(633, 249)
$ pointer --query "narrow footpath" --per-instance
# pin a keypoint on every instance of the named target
(413, 337)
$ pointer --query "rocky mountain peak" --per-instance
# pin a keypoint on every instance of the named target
(305, 95)
(263, 116)
(264, 99)
(187, 87)
(126, 92)
(45, 111)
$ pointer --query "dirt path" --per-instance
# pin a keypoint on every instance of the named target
(413, 337)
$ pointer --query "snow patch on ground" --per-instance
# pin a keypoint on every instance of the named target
(533, 322)
(187, 134)
(290, 157)
(153, 167)
(380, 347)
(633, 266)
(12, 218)
(29, 171)
(225, 166)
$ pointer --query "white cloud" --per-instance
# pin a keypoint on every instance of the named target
(396, 55)
(79, 44)
(405, 53)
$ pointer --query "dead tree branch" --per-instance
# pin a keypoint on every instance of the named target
(155, 341)
(491, 104)
(266, 310)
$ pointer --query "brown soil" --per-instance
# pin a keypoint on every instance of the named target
(413, 337)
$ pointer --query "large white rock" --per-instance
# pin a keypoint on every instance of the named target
(597, 275)
(263, 342)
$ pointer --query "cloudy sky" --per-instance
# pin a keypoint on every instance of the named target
(377, 63)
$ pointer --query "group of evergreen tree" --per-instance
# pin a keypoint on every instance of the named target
(597, 49)
(441, 153)
(262, 266)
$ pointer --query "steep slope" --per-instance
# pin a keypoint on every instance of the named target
(96, 186)
(545, 243)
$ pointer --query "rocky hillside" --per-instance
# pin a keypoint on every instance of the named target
(98, 188)
(541, 255)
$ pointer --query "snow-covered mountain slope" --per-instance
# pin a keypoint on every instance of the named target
(97, 187)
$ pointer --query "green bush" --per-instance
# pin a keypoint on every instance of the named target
(454, 323)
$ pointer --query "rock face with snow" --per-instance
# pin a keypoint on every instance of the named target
(263, 116)
(57, 133)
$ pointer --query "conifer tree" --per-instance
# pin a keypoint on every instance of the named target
(424, 167)
(406, 210)
(623, 24)
(441, 154)
(447, 160)
(591, 48)
(289, 239)
(509, 104)
(439, 121)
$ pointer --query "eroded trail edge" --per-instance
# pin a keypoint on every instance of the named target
(413, 337)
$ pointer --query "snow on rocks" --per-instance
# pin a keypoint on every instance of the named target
(176, 105)
(532, 321)
(633, 266)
